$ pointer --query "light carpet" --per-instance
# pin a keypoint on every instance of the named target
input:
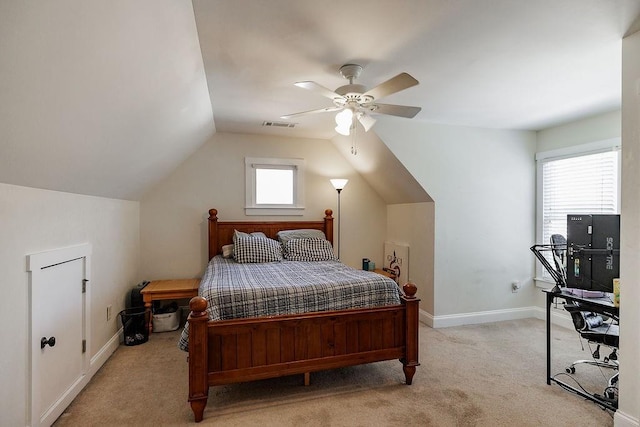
(477, 375)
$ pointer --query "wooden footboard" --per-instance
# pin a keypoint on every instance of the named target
(229, 351)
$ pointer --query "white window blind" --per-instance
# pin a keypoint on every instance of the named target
(583, 184)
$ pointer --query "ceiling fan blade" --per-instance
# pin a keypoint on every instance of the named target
(366, 121)
(397, 110)
(309, 85)
(320, 110)
(395, 84)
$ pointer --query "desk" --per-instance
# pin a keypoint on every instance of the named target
(389, 274)
(601, 305)
(167, 289)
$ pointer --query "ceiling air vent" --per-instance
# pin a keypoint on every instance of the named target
(278, 124)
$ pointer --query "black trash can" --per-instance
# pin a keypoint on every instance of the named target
(134, 321)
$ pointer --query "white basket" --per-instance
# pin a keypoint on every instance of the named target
(166, 322)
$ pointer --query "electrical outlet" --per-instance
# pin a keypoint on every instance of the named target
(109, 311)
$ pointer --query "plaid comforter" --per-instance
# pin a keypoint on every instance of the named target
(235, 290)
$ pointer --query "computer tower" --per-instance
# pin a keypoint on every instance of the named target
(593, 251)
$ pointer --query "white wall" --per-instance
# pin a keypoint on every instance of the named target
(483, 184)
(174, 213)
(628, 413)
(33, 220)
(590, 129)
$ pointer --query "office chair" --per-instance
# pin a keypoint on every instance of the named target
(600, 328)
(558, 249)
(559, 252)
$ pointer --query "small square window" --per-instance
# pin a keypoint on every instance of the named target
(274, 186)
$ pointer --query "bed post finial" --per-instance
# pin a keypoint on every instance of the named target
(213, 232)
(410, 290)
(328, 225)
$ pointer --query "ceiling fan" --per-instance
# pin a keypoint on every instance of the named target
(356, 103)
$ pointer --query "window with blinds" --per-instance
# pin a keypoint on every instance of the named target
(577, 184)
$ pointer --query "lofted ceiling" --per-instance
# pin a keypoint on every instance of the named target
(511, 64)
(101, 98)
(108, 98)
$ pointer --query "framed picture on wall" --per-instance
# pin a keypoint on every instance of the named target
(396, 259)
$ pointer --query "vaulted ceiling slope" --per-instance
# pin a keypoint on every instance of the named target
(101, 98)
(377, 164)
(508, 64)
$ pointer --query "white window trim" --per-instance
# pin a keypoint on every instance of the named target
(580, 150)
(602, 146)
(252, 208)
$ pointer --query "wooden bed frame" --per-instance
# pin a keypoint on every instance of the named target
(230, 351)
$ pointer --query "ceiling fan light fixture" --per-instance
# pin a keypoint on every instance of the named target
(366, 121)
(354, 101)
(344, 118)
(343, 130)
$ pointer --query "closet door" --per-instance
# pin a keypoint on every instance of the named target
(57, 315)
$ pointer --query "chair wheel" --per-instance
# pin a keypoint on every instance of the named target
(571, 370)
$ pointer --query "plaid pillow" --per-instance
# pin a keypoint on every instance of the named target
(309, 250)
(256, 249)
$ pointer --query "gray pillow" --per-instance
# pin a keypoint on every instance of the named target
(227, 251)
(304, 233)
(237, 234)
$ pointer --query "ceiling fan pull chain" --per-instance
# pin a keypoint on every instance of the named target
(354, 133)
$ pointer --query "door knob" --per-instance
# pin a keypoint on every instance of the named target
(44, 341)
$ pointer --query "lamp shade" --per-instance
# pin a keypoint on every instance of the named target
(339, 183)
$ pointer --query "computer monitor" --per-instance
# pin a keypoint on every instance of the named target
(593, 251)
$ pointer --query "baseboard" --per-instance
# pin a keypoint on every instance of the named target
(482, 317)
(103, 354)
(58, 407)
(95, 364)
(559, 318)
(426, 318)
(620, 419)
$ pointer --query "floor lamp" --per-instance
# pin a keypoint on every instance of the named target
(339, 184)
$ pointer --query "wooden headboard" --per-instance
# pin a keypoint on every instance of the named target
(221, 232)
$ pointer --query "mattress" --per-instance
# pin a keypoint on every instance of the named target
(242, 290)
